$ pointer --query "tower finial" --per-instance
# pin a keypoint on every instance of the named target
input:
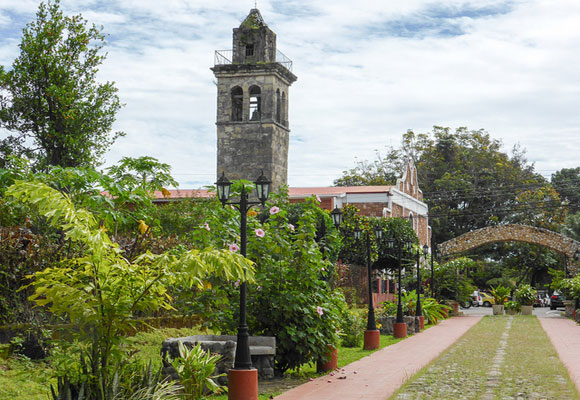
(255, 3)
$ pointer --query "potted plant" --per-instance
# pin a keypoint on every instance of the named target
(525, 296)
(512, 307)
(500, 295)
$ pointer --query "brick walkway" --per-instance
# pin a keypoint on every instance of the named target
(565, 336)
(378, 376)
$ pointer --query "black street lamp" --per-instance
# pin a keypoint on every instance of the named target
(432, 269)
(419, 311)
(372, 335)
(400, 327)
(336, 215)
(243, 360)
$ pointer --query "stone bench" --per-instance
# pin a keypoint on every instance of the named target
(388, 321)
(262, 352)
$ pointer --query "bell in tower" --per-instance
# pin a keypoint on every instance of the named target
(252, 108)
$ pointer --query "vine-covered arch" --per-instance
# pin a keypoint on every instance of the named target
(511, 233)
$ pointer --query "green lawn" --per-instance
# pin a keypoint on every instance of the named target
(22, 379)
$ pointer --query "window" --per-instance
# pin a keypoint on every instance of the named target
(283, 115)
(278, 105)
(255, 103)
(237, 103)
(249, 50)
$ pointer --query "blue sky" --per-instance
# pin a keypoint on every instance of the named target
(367, 71)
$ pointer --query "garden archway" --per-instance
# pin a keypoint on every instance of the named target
(511, 233)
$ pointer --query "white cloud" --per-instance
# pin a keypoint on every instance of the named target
(366, 74)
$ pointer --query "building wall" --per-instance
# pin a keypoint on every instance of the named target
(371, 209)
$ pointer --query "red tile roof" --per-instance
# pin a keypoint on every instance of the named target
(335, 191)
(294, 192)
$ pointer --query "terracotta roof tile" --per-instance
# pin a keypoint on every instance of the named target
(335, 191)
(294, 192)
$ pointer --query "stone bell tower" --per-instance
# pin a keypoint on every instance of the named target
(252, 104)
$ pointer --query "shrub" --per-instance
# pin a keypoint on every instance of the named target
(101, 291)
(195, 368)
(500, 294)
(525, 295)
(388, 308)
(352, 327)
(433, 311)
(451, 283)
(294, 300)
(513, 305)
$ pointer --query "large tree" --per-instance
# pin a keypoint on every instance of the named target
(55, 111)
(468, 181)
(567, 182)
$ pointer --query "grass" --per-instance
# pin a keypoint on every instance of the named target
(30, 380)
(532, 364)
(24, 379)
(529, 368)
(148, 344)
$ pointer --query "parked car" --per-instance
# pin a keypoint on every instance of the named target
(476, 299)
(487, 299)
(556, 300)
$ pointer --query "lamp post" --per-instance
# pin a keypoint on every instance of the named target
(336, 215)
(243, 379)
(372, 335)
(419, 311)
(399, 327)
(432, 270)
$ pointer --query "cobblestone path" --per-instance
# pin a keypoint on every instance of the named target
(499, 358)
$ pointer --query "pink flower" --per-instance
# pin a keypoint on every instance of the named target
(234, 247)
(322, 269)
(274, 210)
(206, 226)
(318, 198)
(259, 288)
(319, 310)
(291, 227)
(260, 232)
(237, 283)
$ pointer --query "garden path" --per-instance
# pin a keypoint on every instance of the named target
(565, 336)
(379, 375)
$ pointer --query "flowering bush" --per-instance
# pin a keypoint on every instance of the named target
(513, 305)
(295, 303)
(525, 295)
(292, 298)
